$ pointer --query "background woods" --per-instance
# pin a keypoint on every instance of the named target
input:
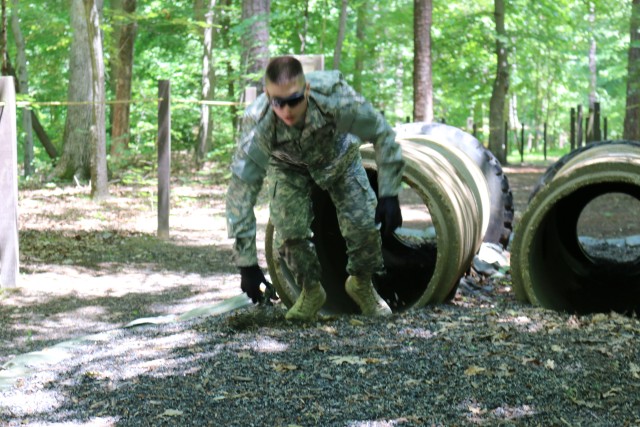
(90, 69)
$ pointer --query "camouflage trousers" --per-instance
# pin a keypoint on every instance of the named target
(291, 213)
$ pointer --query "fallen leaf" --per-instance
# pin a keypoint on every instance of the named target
(476, 410)
(284, 367)
(589, 405)
(351, 360)
(323, 348)
(329, 329)
(245, 355)
(356, 322)
(558, 349)
(171, 413)
(550, 364)
(611, 392)
(239, 378)
(474, 370)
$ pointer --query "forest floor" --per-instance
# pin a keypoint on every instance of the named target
(88, 268)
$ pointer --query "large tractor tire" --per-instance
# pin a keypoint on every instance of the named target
(501, 199)
(549, 265)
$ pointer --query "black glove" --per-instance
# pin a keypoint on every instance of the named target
(388, 213)
(251, 278)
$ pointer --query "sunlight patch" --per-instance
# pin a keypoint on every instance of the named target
(267, 345)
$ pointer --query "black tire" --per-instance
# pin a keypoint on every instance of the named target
(501, 217)
(552, 170)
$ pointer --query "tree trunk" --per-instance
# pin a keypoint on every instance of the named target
(305, 28)
(225, 24)
(23, 87)
(422, 80)
(76, 153)
(341, 33)
(593, 71)
(207, 85)
(122, 69)
(500, 88)
(632, 113)
(593, 77)
(256, 41)
(98, 137)
(361, 37)
(84, 152)
(3, 40)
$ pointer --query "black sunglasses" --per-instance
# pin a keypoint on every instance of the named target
(291, 101)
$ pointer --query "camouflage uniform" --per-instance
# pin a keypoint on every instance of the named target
(325, 152)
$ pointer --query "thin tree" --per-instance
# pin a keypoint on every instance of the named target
(632, 112)
(422, 79)
(256, 41)
(361, 36)
(342, 25)
(593, 76)
(97, 130)
(305, 28)
(22, 87)
(125, 30)
(3, 39)
(207, 84)
(500, 88)
(223, 33)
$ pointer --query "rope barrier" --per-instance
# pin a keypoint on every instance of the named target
(23, 104)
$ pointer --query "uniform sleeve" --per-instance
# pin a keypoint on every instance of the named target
(241, 220)
(369, 125)
(248, 169)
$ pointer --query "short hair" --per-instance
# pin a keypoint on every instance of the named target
(283, 69)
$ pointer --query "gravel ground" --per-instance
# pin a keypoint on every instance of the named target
(472, 362)
(483, 359)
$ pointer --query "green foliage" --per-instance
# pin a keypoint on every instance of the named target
(548, 42)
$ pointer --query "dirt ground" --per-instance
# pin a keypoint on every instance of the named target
(88, 267)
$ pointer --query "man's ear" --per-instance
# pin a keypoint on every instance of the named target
(307, 89)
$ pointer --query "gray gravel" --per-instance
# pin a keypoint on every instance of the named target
(472, 362)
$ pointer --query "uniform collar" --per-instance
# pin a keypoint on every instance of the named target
(313, 120)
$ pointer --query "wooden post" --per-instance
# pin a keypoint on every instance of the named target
(589, 126)
(572, 129)
(597, 135)
(9, 251)
(164, 156)
(579, 128)
(544, 140)
(311, 62)
(250, 94)
(522, 144)
(475, 130)
(605, 124)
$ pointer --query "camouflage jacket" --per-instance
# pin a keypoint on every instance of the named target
(324, 148)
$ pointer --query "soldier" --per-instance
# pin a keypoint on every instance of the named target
(305, 130)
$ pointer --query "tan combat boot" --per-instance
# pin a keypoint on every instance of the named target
(361, 290)
(308, 304)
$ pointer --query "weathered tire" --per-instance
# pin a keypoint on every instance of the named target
(501, 198)
(418, 270)
(551, 171)
(549, 266)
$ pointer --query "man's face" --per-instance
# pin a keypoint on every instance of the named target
(289, 100)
